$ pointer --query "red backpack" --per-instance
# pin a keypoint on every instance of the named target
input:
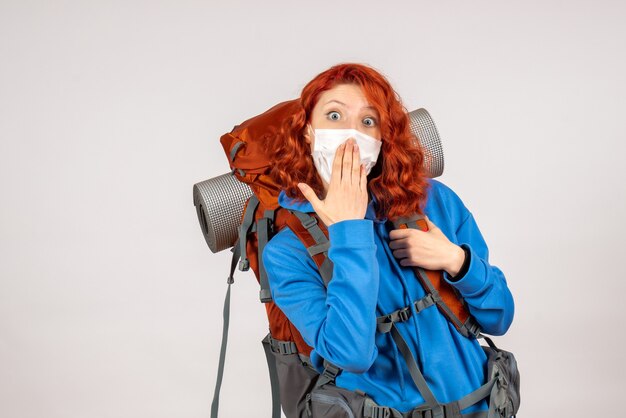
(291, 374)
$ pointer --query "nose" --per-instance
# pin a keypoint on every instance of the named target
(355, 124)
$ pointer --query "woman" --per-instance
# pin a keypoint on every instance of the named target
(373, 262)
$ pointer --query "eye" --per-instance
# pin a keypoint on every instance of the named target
(369, 121)
(333, 115)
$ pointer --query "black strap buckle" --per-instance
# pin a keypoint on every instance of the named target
(310, 222)
(269, 215)
(439, 411)
(331, 371)
(244, 264)
(282, 347)
(472, 327)
(404, 314)
(286, 347)
(436, 296)
(380, 412)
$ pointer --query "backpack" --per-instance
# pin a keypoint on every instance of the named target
(240, 210)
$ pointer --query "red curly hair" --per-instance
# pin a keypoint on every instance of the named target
(398, 180)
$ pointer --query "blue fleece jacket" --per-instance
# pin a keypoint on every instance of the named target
(339, 322)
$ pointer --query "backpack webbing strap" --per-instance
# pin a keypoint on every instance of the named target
(329, 374)
(432, 407)
(450, 410)
(244, 229)
(264, 231)
(318, 248)
(372, 410)
(385, 322)
(375, 411)
(234, 150)
(322, 244)
(416, 374)
(274, 382)
(477, 395)
(470, 327)
(226, 315)
(281, 347)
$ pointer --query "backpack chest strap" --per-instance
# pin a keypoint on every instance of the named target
(385, 322)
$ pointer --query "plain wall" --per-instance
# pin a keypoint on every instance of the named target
(110, 300)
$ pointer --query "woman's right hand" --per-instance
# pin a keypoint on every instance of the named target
(347, 192)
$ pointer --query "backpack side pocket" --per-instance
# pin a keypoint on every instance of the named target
(296, 378)
(505, 395)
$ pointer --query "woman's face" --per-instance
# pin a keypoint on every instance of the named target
(344, 107)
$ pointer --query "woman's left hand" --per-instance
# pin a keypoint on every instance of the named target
(431, 249)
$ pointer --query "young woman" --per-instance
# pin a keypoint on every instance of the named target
(376, 176)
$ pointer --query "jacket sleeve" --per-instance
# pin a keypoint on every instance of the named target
(339, 322)
(483, 286)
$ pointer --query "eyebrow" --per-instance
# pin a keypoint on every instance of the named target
(344, 105)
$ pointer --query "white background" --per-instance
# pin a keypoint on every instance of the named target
(110, 300)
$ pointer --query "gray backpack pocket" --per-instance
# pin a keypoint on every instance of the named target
(505, 395)
(330, 401)
(295, 377)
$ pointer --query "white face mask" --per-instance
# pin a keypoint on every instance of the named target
(328, 140)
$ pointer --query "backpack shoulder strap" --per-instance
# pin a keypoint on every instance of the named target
(447, 298)
(314, 236)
